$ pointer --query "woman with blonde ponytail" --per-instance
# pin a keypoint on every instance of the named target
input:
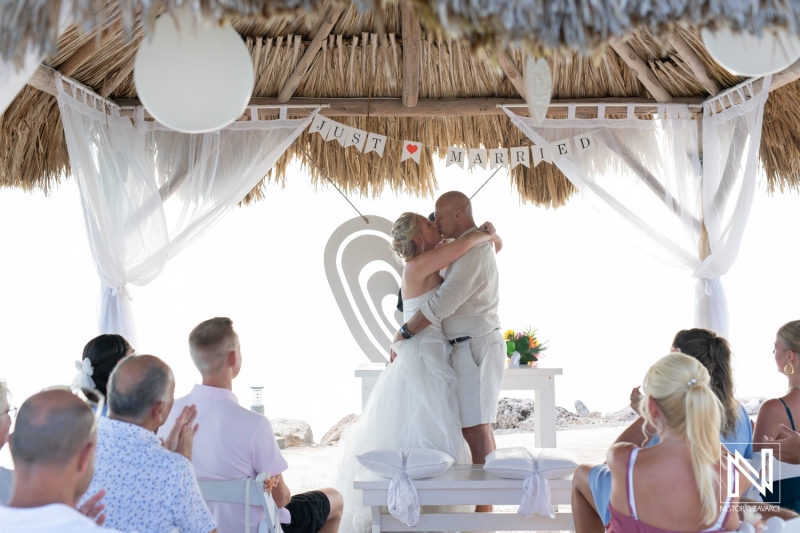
(675, 485)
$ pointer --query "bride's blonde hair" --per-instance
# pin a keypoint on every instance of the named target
(404, 230)
(680, 385)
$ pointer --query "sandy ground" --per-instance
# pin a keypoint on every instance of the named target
(312, 466)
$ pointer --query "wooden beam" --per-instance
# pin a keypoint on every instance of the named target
(509, 68)
(454, 107)
(85, 52)
(44, 79)
(110, 85)
(412, 42)
(293, 82)
(784, 77)
(695, 63)
(642, 71)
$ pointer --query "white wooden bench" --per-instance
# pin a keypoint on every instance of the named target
(465, 485)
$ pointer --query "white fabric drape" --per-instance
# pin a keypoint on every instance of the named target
(149, 192)
(645, 177)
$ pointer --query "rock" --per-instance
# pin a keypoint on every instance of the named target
(333, 435)
(623, 415)
(294, 432)
(581, 408)
(752, 405)
(511, 412)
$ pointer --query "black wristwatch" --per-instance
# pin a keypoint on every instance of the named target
(404, 332)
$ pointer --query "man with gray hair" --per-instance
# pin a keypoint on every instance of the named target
(53, 449)
(150, 487)
(236, 443)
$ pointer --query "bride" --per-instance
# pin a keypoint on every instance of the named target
(413, 403)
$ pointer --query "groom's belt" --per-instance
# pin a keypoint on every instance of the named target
(458, 340)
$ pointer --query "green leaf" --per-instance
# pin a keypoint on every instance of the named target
(510, 347)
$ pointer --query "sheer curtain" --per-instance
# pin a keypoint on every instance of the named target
(646, 178)
(149, 192)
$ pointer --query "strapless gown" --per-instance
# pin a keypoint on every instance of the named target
(413, 405)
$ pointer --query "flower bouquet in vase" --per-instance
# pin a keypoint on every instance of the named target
(523, 347)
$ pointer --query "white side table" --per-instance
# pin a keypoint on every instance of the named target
(540, 380)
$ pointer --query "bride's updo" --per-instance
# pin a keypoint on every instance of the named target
(403, 232)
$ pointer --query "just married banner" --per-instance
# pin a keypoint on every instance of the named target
(466, 158)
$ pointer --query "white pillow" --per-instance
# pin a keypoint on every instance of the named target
(519, 463)
(419, 462)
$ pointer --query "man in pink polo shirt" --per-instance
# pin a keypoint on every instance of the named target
(236, 443)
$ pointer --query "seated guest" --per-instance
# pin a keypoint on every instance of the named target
(6, 411)
(149, 487)
(591, 486)
(236, 443)
(783, 411)
(100, 356)
(674, 485)
(53, 449)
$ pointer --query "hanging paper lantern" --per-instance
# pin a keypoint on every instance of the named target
(745, 54)
(193, 76)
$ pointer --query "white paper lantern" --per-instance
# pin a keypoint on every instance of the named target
(744, 54)
(193, 76)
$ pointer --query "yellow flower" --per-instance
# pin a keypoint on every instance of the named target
(509, 335)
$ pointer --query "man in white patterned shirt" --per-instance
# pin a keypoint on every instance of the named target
(466, 303)
(148, 487)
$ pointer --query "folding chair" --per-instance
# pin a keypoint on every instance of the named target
(245, 491)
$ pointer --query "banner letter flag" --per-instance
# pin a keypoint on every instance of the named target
(456, 156)
(560, 149)
(411, 150)
(337, 132)
(375, 143)
(357, 138)
(520, 156)
(498, 158)
(541, 152)
(321, 125)
(583, 142)
(478, 158)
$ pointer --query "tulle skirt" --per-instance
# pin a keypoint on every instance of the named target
(413, 405)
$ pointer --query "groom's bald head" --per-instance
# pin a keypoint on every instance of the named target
(453, 214)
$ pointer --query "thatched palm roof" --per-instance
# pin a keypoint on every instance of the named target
(467, 51)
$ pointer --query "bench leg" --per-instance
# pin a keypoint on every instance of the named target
(376, 519)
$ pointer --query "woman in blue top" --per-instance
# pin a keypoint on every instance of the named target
(591, 484)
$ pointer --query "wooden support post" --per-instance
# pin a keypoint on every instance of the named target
(293, 82)
(412, 43)
(511, 71)
(695, 63)
(643, 72)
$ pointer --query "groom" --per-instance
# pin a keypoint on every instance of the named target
(466, 303)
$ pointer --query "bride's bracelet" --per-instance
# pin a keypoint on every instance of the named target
(404, 332)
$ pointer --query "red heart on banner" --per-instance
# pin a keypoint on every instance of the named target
(412, 148)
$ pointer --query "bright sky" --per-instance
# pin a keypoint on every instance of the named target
(607, 310)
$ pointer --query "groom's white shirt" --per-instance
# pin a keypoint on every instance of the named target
(466, 303)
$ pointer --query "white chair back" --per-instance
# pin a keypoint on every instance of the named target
(247, 492)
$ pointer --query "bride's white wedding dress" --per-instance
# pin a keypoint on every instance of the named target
(413, 405)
